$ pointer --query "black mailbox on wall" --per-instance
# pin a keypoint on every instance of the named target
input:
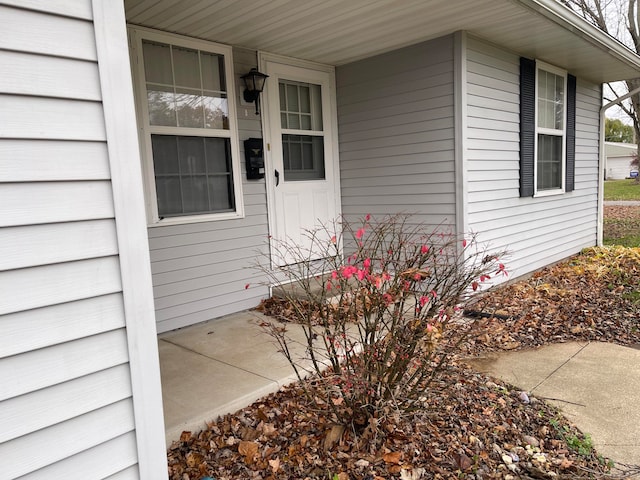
(254, 156)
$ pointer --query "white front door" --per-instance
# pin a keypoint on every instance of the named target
(299, 117)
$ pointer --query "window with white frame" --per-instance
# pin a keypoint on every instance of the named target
(550, 128)
(186, 104)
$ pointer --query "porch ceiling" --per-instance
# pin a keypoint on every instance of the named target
(337, 32)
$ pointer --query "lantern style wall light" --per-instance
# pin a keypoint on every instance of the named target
(253, 86)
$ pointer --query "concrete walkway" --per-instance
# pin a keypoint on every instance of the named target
(596, 385)
(220, 366)
(622, 203)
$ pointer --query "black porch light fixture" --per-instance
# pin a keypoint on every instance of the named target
(253, 86)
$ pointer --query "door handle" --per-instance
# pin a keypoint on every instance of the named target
(277, 177)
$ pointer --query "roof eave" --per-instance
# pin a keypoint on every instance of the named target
(563, 16)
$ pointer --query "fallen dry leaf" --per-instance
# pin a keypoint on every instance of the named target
(393, 457)
(333, 436)
(194, 459)
(274, 464)
(249, 450)
(412, 474)
(462, 462)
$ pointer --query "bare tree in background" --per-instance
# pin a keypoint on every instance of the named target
(621, 20)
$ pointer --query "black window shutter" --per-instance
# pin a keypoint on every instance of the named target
(527, 125)
(571, 134)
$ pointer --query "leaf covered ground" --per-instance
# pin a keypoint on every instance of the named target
(593, 296)
(622, 225)
(471, 426)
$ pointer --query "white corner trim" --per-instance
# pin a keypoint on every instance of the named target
(460, 130)
(135, 267)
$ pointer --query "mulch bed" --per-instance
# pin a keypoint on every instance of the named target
(472, 426)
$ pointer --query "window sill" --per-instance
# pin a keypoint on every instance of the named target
(548, 193)
(187, 219)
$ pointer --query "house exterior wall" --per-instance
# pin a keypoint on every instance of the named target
(619, 158)
(618, 168)
(396, 155)
(536, 231)
(76, 341)
(396, 133)
(200, 269)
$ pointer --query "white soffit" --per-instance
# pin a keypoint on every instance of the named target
(336, 32)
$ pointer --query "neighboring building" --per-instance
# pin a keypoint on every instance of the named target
(480, 115)
(619, 157)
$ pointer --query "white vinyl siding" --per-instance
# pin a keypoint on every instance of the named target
(200, 270)
(396, 133)
(66, 397)
(536, 231)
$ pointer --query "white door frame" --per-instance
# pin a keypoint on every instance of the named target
(267, 132)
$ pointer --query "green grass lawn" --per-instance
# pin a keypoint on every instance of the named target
(627, 189)
(625, 241)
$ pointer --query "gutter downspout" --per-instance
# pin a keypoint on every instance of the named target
(601, 161)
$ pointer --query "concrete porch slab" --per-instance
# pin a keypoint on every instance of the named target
(217, 367)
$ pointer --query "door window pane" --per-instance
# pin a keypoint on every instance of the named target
(301, 109)
(294, 121)
(292, 98)
(193, 175)
(303, 157)
(305, 101)
(300, 106)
